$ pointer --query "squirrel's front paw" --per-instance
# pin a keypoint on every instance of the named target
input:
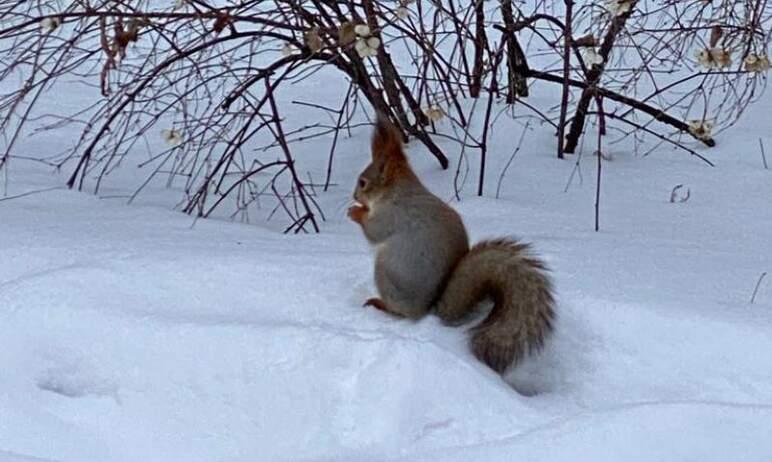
(358, 212)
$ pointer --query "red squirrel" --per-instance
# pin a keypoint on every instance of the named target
(423, 260)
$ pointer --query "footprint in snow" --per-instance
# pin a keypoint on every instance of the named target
(73, 381)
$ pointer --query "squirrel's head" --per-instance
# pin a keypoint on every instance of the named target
(388, 165)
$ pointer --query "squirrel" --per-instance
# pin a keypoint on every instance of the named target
(423, 260)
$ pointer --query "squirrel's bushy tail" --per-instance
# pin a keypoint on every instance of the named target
(523, 310)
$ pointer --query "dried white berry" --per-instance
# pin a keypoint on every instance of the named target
(619, 7)
(367, 47)
(362, 30)
(48, 25)
(374, 42)
(592, 58)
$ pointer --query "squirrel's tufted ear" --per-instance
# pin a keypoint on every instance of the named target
(386, 143)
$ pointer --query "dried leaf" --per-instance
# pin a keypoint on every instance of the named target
(715, 35)
(312, 39)
(346, 34)
(223, 20)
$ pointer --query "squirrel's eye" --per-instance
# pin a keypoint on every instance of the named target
(362, 182)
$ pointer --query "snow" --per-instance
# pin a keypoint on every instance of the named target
(133, 332)
(136, 333)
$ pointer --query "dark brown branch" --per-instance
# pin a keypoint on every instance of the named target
(593, 78)
(516, 60)
(480, 40)
(643, 128)
(309, 216)
(86, 156)
(566, 74)
(654, 112)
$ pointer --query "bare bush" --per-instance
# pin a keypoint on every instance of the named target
(207, 74)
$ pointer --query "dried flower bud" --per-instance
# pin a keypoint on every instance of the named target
(172, 136)
(434, 113)
(701, 129)
(287, 49)
(756, 63)
(722, 57)
(705, 58)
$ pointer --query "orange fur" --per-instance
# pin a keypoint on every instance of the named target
(386, 147)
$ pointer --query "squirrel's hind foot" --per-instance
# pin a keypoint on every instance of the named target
(380, 305)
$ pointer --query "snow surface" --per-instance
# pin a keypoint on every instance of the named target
(133, 332)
